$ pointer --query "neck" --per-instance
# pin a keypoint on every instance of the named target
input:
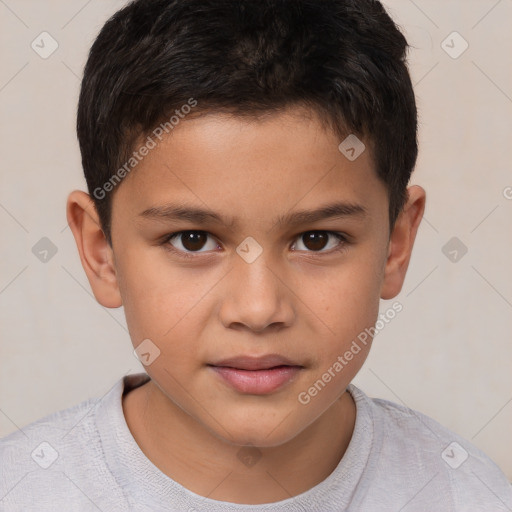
(210, 466)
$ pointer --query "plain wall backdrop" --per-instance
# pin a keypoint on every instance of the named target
(447, 354)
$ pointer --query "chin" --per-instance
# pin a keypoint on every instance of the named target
(258, 431)
(260, 439)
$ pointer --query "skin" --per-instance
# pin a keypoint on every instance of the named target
(303, 301)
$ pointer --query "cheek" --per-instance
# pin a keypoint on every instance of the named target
(350, 297)
(159, 300)
(348, 303)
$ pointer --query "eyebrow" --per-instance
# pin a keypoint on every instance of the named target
(180, 212)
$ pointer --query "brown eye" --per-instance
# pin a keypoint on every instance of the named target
(316, 241)
(191, 241)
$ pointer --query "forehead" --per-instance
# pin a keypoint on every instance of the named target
(237, 165)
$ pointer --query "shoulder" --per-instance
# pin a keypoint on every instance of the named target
(415, 448)
(57, 456)
(57, 425)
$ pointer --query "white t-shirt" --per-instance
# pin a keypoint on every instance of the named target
(85, 458)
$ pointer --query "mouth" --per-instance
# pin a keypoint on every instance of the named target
(256, 375)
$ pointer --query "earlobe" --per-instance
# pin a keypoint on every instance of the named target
(402, 241)
(95, 253)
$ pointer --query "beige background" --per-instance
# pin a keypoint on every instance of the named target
(447, 354)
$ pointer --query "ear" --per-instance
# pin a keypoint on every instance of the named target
(95, 252)
(401, 242)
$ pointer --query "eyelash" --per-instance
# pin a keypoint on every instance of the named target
(191, 255)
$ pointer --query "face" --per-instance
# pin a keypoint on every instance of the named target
(251, 253)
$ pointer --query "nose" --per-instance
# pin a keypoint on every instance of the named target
(256, 298)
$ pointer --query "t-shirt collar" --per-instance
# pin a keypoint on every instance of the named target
(145, 485)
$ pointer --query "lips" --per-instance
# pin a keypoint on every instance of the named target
(256, 375)
(256, 363)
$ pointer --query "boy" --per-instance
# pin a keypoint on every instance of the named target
(247, 163)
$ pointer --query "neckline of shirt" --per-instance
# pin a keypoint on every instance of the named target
(138, 476)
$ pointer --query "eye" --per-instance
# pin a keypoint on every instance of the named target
(191, 241)
(315, 241)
